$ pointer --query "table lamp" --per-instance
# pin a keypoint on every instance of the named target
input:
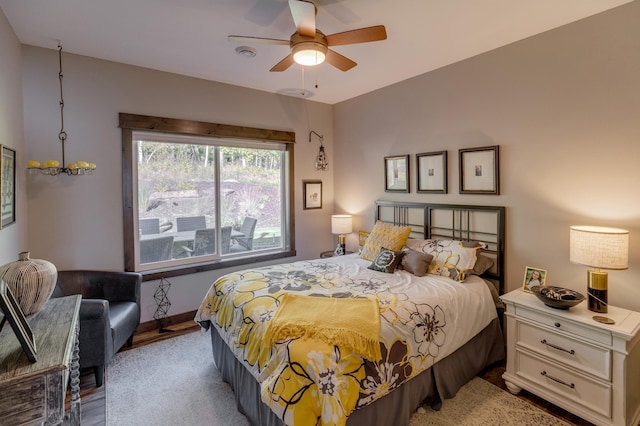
(341, 224)
(598, 247)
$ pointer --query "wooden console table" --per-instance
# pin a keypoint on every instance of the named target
(34, 393)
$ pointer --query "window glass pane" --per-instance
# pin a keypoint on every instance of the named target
(201, 201)
(176, 201)
(251, 196)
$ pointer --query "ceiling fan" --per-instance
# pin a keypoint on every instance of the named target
(309, 45)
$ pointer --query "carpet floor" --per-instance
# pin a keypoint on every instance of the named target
(174, 382)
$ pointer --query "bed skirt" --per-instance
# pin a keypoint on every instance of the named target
(439, 382)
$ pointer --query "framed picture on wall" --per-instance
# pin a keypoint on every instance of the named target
(480, 170)
(431, 172)
(312, 194)
(7, 186)
(396, 173)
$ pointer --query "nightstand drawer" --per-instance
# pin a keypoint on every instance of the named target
(567, 326)
(592, 395)
(582, 356)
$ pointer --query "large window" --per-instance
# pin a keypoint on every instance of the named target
(203, 202)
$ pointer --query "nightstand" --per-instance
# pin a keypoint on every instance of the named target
(330, 253)
(569, 359)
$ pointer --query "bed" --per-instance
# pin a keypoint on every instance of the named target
(294, 340)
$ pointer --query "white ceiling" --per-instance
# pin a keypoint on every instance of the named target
(189, 37)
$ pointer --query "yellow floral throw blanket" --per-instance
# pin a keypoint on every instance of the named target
(320, 380)
(353, 324)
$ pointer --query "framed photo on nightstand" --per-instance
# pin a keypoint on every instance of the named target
(533, 277)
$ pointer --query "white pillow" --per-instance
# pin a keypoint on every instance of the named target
(451, 258)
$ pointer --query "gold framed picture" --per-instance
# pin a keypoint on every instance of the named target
(533, 277)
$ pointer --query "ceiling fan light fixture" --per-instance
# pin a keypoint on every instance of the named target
(309, 53)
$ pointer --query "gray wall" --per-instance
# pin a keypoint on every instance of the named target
(13, 238)
(564, 106)
(76, 222)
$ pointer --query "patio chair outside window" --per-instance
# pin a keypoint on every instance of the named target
(156, 249)
(225, 235)
(248, 228)
(149, 226)
(203, 243)
(190, 223)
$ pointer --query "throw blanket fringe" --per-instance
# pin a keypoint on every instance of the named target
(352, 324)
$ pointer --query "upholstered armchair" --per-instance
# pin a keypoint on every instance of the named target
(109, 313)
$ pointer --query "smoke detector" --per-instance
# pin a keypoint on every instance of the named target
(246, 51)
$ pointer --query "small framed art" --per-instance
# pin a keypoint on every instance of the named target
(431, 172)
(312, 194)
(533, 277)
(13, 314)
(396, 173)
(7, 186)
(480, 170)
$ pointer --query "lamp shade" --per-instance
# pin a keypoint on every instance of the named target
(599, 247)
(341, 224)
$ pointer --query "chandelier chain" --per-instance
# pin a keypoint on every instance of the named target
(54, 167)
(63, 134)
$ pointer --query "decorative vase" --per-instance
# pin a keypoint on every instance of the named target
(31, 281)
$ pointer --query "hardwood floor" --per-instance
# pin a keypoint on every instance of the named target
(94, 399)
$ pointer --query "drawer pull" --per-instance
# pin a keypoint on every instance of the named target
(569, 385)
(544, 342)
(557, 324)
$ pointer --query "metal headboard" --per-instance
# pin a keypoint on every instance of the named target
(453, 221)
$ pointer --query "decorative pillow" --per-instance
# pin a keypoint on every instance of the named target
(483, 264)
(386, 261)
(384, 234)
(416, 262)
(451, 258)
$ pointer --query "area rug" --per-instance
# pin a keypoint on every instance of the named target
(174, 382)
(171, 382)
(480, 403)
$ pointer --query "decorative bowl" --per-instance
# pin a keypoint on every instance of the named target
(557, 297)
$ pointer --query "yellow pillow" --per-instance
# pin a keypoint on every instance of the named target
(385, 235)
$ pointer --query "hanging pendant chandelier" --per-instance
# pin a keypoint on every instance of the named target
(54, 167)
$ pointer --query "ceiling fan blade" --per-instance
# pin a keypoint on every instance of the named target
(362, 35)
(283, 64)
(304, 16)
(248, 39)
(337, 60)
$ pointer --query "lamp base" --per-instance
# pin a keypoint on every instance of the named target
(342, 248)
(597, 290)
